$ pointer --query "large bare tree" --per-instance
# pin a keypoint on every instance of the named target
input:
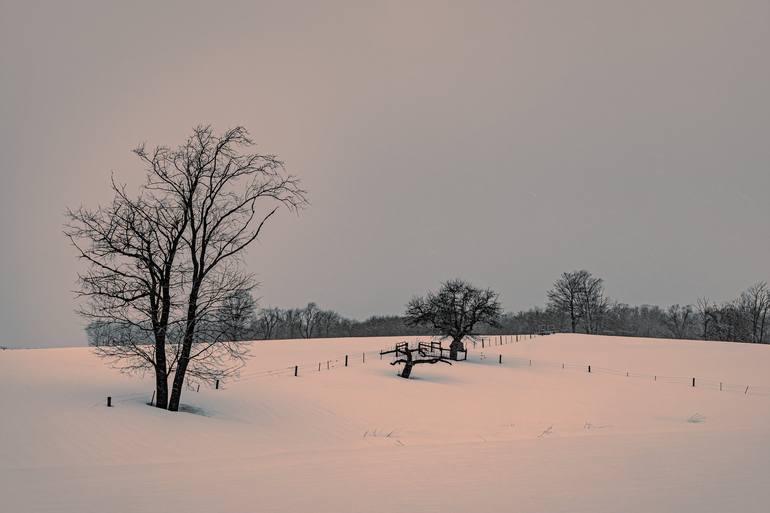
(169, 261)
(454, 311)
(228, 195)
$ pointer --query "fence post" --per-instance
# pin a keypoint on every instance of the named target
(530, 363)
(296, 370)
(747, 390)
(720, 386)
(199, 388)
(501, 359)
(319, 366)
(482, 343)
(589, 369)
(363, 357)
(109, 402)
(327, 364)
(693, 381)
(152, 400)
(517, 337)
(346, 360)
(216, 386)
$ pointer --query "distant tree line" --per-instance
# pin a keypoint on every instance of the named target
(311, 321)
(576, 303)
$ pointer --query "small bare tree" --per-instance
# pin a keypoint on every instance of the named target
(268, 319)
(409, 361)
(235, 315)
(327, 320)
(678, 320)
(292, 324)
(580, 296)
(454, 311)
(565, 296)
(704, 308)
(754, 303)
(309, 318)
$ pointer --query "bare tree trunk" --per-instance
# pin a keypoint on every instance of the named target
(407, 370)
(181, 370)
(455, 347)
(161, 389)
(161, 373)
(184, 357)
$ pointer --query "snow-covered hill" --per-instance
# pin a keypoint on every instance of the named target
(478, 436)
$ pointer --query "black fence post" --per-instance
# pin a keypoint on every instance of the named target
(693, 381)
(589, 369)
(501, 359)
(216, 386)
(109, 402)
(296, 370)
(346, 360)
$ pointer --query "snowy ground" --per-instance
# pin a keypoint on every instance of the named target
(477, 437)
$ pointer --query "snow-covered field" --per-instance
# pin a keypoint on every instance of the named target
(477, 436)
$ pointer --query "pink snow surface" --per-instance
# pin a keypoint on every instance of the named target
(474, 437)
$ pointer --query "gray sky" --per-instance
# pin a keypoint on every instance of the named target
(500, 142)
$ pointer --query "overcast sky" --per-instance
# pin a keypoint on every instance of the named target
(502, 142)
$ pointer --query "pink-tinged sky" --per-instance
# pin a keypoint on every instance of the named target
(501, 142)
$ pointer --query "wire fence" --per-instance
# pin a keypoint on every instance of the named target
(362, 357)
(695, 381)
(479, 346)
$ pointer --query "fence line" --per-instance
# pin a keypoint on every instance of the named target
(690, 381)
(361, 357)
(487, 342)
